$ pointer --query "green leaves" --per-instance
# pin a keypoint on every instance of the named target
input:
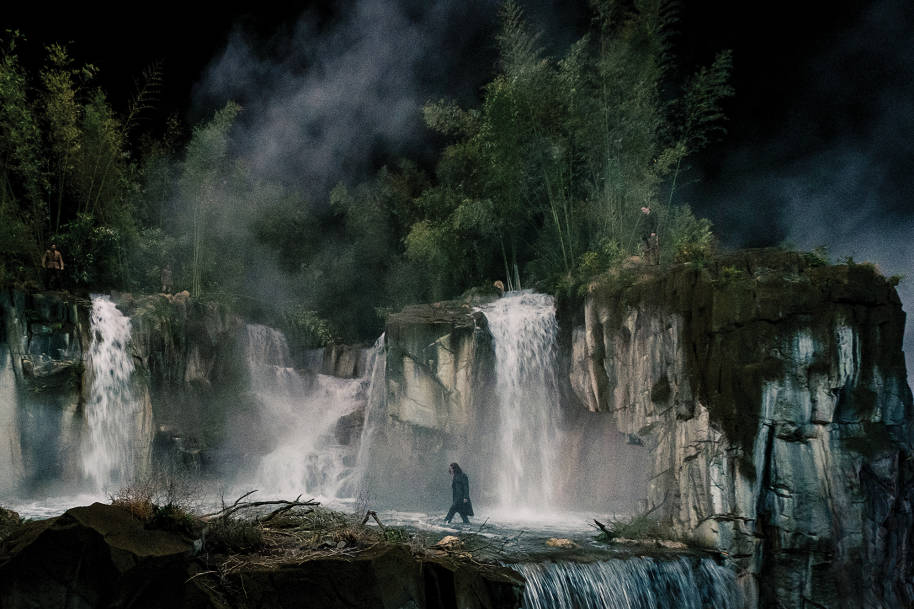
(701, 104)
(206, 171)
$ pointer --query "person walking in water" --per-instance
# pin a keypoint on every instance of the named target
(460, 493)
(52, 263)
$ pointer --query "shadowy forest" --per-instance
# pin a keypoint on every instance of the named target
(540, 184)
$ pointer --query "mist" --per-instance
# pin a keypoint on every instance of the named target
(323, 104)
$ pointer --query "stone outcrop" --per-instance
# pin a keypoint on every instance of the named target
(437, 357)
(771, 393)
(95, 556)
(438, 374)
(43, 339)
(102, 556)
(190, 352)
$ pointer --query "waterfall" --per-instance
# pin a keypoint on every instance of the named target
(10, 449)
(524, 329)
(301, 414)
(117, 440)
(375, 413)
(630, 583)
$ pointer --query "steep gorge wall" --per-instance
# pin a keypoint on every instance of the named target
(436, 391)
(190, 354)
(43, 337)
(772, 396)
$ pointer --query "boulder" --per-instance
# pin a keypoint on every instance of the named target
(94, 556)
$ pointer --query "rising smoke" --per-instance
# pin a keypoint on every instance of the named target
(323, 104)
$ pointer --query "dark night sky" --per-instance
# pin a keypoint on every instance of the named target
(820, 149)
(805, 77)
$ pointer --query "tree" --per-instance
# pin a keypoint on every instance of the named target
(61, 113)
(22, 182)
(201, 185)
(551, 172)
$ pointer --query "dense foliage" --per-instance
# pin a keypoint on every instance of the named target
(543, 183)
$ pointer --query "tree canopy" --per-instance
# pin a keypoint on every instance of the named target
(542, 183)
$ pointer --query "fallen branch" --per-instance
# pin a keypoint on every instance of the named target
(206, 516)
(238, 505)
(285, 508)
(201, 574)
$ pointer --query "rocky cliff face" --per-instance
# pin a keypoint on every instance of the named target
(190, 353)
(433, 394)
(771, 394)
(43, 337)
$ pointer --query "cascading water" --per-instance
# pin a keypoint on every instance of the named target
(116, 445)
(630, 583)
(301, 414)
(10, 450)
(361, 481)
(524, 329)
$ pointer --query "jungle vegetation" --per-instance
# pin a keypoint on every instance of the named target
(540, 184)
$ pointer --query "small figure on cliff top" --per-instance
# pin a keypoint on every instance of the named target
(166, 279)
(498, 285)
(460, 493)
(52, 263)
(650, 241)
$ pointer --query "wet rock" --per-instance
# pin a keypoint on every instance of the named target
(349, 426)
(774, 401)
(190, 352)
(345, 361)
(43, 338)
(436, 360)
(439, 378)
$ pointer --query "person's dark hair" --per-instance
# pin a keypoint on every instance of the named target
(456, 468)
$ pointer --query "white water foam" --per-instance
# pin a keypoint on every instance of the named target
(301, 413)
(524, 328)
(630, 583)
(115, 447)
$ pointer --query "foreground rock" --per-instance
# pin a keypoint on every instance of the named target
(102, 556)
(390, 577)
(95, 556)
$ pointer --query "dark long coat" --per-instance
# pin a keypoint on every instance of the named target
(460, 490)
